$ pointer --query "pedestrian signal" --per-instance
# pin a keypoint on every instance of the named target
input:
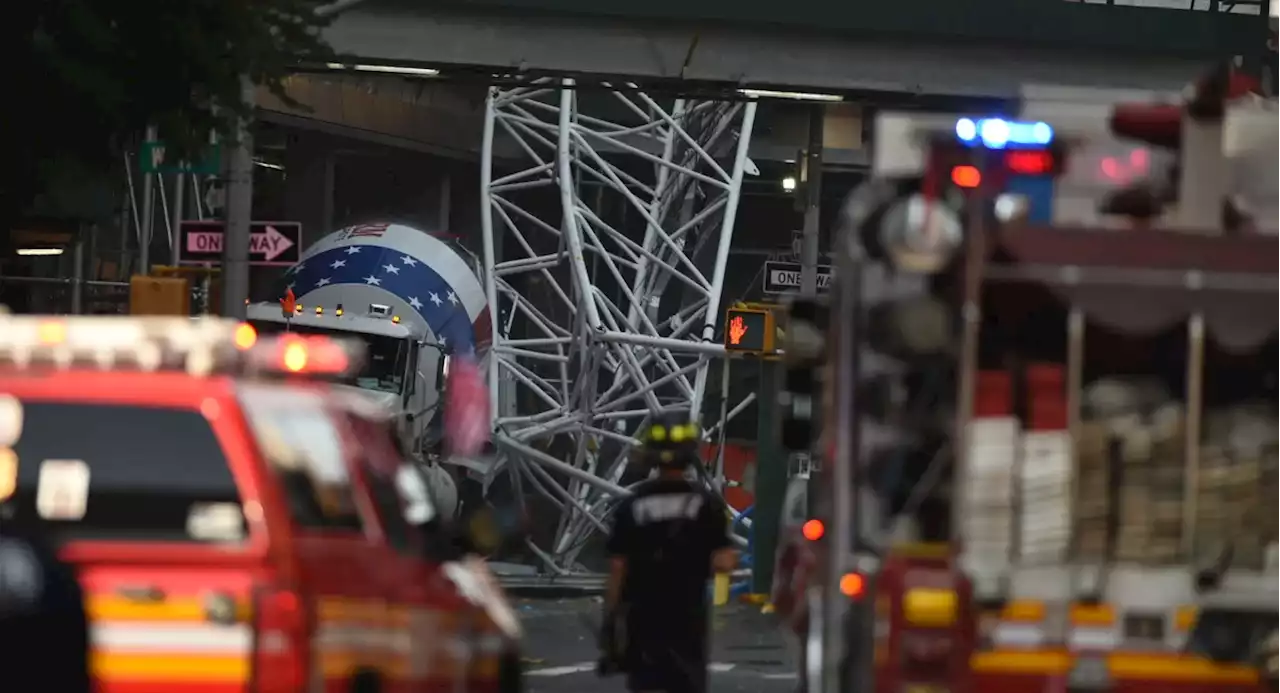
(749, 330)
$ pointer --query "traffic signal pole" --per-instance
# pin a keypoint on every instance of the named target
(809, 245)
(771, 478)
(239, 212)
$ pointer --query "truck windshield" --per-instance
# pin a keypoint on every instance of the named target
(107, 471)
(386, 358)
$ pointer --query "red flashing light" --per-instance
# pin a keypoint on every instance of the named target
(245, 336)
(1029, 162)
(813, 530)
(307, 355)
(1120, 170)
(966, 176)
(852, 585)
(294, 358)
(1139, 160)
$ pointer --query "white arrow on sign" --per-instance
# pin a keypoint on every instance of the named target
(270, 243)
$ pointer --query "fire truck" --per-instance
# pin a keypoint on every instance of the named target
(236, 524)
(1106, 532)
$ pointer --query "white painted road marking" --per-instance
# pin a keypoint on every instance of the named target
(563, 671)
(584, 667)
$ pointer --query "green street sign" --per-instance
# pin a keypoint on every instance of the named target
(153, 161)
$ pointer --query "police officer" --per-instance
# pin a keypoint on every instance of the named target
(44, 633)
(666, 541)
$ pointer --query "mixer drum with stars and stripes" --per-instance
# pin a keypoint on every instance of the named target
(427, 280)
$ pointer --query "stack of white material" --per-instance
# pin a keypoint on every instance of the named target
(987, 492)
(1045, 502)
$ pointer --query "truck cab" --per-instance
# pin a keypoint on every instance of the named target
(404, 368)
(413, 296)
(230, 518)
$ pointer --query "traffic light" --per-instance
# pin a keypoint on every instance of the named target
(907, 393)
(749, 330)
(905, 376)
(806, 346)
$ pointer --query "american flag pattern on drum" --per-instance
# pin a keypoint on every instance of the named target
(426, 272)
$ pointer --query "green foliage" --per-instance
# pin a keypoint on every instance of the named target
(92, 74)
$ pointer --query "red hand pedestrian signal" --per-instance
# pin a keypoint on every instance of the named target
(748, 330)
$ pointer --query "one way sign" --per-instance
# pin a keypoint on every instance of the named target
(271, 243)
(784, 277)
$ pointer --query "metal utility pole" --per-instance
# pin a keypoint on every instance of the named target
(773, 457)
(77, 272)
(848, 647)
(147, 223)
(177, 212)
(239, 213)
(824, 479)
(809, 243)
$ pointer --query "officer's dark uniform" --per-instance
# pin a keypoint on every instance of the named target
(667, 533)
(44, 633)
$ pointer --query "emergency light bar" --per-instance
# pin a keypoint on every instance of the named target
(997, 133)
(305, 355)
(199, 346)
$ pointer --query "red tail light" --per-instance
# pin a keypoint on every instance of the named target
(813, 530)
(281, 642)
(966, 176)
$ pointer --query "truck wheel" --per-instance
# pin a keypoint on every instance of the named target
(366, 681)
(510, 673)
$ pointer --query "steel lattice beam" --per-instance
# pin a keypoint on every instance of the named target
(591, 365)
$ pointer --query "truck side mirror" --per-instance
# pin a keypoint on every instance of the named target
(442, 371)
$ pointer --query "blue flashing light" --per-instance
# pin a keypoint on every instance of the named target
(997, 133)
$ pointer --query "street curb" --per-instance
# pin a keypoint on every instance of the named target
(551, 592)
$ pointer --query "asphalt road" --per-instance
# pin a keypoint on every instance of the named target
(749, 654)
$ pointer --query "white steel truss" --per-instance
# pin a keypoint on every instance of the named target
(590, 366)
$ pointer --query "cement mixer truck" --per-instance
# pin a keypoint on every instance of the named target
(414, 298)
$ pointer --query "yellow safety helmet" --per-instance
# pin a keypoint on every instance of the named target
(670, 441)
